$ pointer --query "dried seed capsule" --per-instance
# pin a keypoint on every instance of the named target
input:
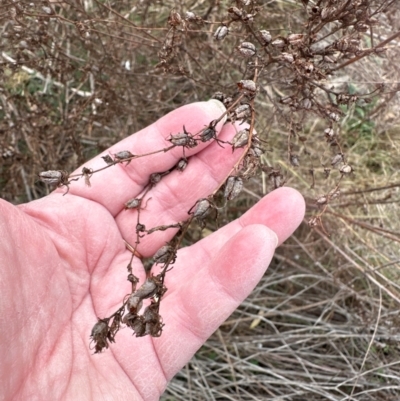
(279, 43)
(201, 208)
(151, 314)
(179, 139)
(235, 13)
(208, 134)
(134, 303)
(294, 160)
(287, 57)
(295, 39)
(308, 67)
(154, 329)
(265, 36)
(247, 85)
(51, 177)
(183, 139)
(136, 323)
(313, 222)
(334, 117)
(140, 227)
(182, 164)
(338, 158)
(242, 112)
(306, 103)
(256, 151)
(346, 169)
(240, 139)
(99, 329)
(47, 10)
(108, 159)
(247, 49)
(329, 134)
(147, 289)
(219, 96)
(99, 334)
(155, 178)
(335, 193)
(221, 32)
(132, 203)
(286, 100)
(124, 154)
(322, 200)
(190, 16)
(164, 254)
(233, 187)
(133, 279)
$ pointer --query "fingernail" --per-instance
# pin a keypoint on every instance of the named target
(275, 237)
(218, 104)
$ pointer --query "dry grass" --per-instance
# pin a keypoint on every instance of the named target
(323, 324)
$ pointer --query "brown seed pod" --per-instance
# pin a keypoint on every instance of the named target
(265, 36)
(182, 164)
(329, 134)
(147, 289)
(256, 151)
(240, 139)
(235, 13)
(208, 134)
(247, 49)
(108, 159)
(201, 208)
(287, 57)
(338, 158)
(295, 39)
(294, 160)
(155, 178)
(306, 103)
(51, 177)
(151, 314)
(190, 16)
(278, 43)
(233, 187)
(346, 169)
(140, 227)
(322, 200)
(132, 203)
(134, 303)
(183, 139)
(241, 112)
(136, 323)
(154, 329)
(221, 32)
(87, 173)
(334, 116)
(248, 86)
(123, 155)
(99, 335)
(164, 254)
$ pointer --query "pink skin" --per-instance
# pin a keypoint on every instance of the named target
(63, 263)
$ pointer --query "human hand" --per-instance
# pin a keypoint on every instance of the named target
(63, 262)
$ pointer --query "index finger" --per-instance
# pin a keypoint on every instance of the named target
(123, 181)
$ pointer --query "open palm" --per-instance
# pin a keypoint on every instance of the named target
(63, 264)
